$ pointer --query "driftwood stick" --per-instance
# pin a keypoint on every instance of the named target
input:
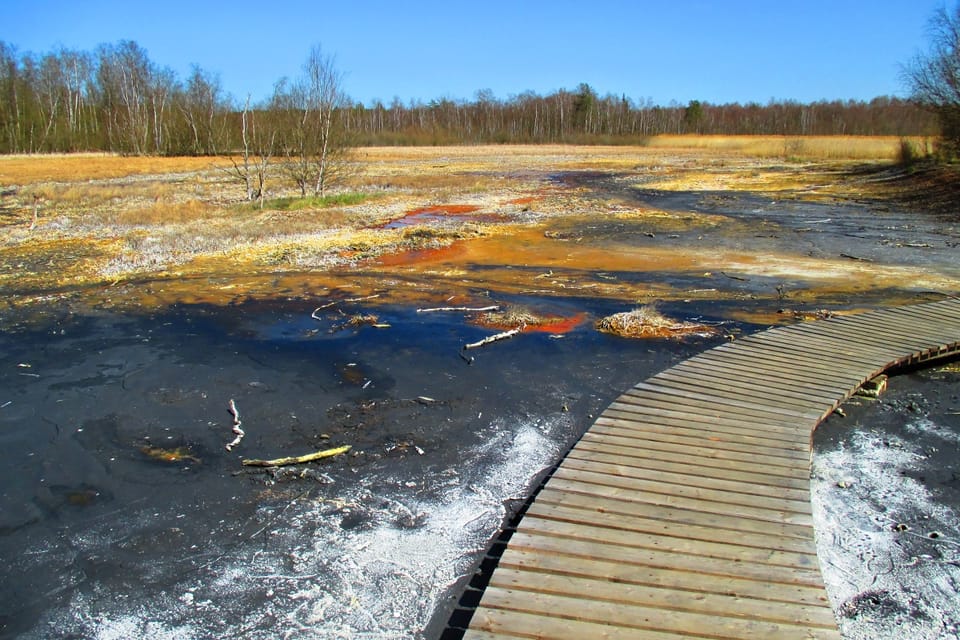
(727, 275)
(310, 457)
(856, 258)
(335, 302)
(494, 338)
(236, 426)
(477, 309)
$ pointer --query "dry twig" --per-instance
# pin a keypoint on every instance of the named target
(310, 457)
(236, 426)
(494, 338)
(438, 309)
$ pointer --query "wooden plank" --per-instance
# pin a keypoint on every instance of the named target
(706, 459)
(788, 441)
(559, 538)
(680, 486)
(794, 347)
(622, 572)
(865, 338)
(752, 548)
(668, 446)
(739, 376)
(813, 347)
(748, 376)
(660, 598)
(639, 458)
(794, 362)
(648, 618)
(628, 407)
(912, 333)
(770, 405)
(907, 318)
(645, 390)
(783, 394)
(586, 453)
(777, 449)
(519, 624)
(614, 473)
(937, 317)
(776, 365)
(683, 496)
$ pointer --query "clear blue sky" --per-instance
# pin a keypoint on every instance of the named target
(719, 51)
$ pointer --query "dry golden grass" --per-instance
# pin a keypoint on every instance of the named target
(158, 214)
(791, 147)
(647, 322)
(87, 194)
(29, 169)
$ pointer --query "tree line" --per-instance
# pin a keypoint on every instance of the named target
(116, 99)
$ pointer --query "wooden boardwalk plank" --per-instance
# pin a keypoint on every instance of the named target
(637, 593)
(776, 366)
(739, 512)
(706, 459)
(684, 511)
(628, 407)
(714, 431)
(648, 618)
(641, 459)
(742, 381)
(702, 437)
(702, 454)
(762, 548)
(806, 581)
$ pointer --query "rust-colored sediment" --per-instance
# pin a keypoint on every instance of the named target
(213, 248)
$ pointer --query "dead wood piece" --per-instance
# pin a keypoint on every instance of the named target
(727, 275)
(857, 258)
(236, 426)
(310, 457)
(468, 309)
(494, 338)
(335, 302)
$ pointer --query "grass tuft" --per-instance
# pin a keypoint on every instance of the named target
(647, 322)
(314, 202)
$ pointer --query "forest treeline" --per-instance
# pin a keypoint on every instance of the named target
(116, 99)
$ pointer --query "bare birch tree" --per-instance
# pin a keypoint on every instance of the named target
(259, 143)
(315, 145)
(934, 77)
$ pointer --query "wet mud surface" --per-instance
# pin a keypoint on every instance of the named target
(886, 494)
(122, 514)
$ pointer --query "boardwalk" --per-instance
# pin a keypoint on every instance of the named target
(684, 511)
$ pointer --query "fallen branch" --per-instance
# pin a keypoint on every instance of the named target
(494, 338)
(330, 304)
(857, 258)
(310, 457)
(727, 275)
(478, 309)
(236, 426)
(326, 306)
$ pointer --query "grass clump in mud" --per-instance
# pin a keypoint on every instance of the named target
(518, 316)
(510, 317)
(314, 202)
(648, 322)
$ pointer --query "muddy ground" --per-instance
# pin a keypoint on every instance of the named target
(123, 515)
